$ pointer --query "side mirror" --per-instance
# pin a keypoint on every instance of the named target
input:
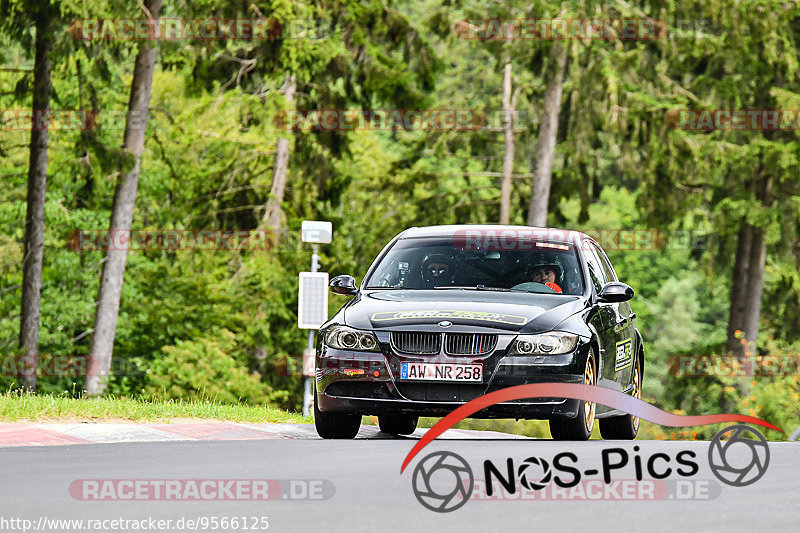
(614, 292)
(343, 284)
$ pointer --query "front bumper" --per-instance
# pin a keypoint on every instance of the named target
(369, 383)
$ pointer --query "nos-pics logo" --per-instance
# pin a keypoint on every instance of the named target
(443, 481)
(727, 470)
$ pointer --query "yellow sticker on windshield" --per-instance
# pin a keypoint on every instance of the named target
(440, 314)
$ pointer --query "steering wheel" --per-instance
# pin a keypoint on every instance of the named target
(384, 281)
(534, 287)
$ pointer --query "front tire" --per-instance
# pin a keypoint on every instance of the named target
(398, 424)
(335, 425)
(624, 427)
(580, 427)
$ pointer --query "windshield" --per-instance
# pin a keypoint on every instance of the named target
(439, 263)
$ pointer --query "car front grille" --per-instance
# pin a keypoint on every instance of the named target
(424, 343)
(416, 343)
(469, 343)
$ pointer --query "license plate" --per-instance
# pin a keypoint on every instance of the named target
(441, 372)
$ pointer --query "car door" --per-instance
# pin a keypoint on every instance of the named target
(604, 321)
(623, 327)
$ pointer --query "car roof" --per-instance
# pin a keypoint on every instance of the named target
(558, 234)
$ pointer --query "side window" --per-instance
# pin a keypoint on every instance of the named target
(595, 270)
(625, 307)
(605, 263)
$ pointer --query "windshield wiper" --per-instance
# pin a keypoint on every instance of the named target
(478, 288)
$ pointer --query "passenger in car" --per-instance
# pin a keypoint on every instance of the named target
(436, 271)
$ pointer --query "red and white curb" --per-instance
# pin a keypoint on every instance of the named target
(15, 434)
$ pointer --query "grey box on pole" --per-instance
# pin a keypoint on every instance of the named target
(312, 303)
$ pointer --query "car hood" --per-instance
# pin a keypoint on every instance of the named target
(467, 310)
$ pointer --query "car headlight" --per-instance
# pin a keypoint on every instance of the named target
(552, 343)
(344, 338)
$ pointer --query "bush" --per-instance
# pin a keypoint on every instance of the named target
(206, 369)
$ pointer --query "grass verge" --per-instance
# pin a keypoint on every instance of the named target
(46, 408)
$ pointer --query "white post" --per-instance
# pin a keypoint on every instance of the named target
(308, 397)
(312, 307)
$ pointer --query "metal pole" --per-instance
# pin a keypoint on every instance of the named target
(795, 435)
(308, 398)
(307, 394)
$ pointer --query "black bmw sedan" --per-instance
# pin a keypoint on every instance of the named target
(446, 314)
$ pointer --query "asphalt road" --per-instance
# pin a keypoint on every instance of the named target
(371, 495)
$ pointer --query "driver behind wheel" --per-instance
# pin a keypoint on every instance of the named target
(546, 275)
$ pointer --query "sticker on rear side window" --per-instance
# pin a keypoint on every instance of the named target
(624, 352)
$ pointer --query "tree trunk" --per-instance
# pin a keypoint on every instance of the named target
(741, 268)
(508, 157)
(105, 323)
(583, 173)
(752, 301)
(748, 281)
(273, 214)
(543, 165)
(755, 281)
(37, 185)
